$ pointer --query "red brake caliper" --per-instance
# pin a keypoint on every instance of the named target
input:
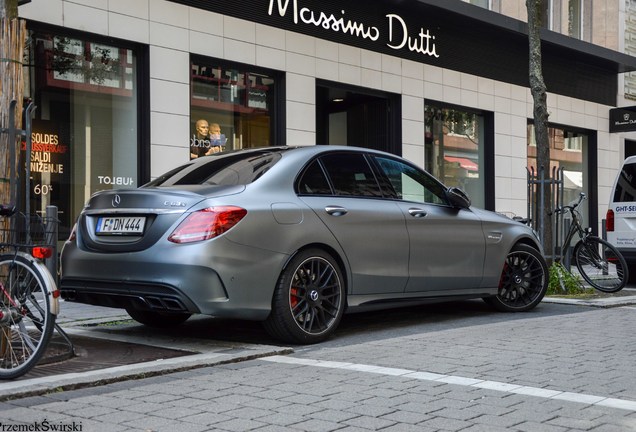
(503, 274)
(293, 297)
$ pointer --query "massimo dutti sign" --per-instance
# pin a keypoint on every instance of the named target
(622, 119)
(399, 36)
(377, 26)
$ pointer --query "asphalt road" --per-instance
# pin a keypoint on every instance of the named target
(450, 367)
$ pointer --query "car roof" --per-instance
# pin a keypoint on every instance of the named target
(629, 159)
(311, 149)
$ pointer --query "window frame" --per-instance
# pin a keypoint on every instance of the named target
(277, 124)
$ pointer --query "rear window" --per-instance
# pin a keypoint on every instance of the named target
(239, 168)
(626, 185)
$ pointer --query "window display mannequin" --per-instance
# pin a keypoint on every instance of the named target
(200, 142)
(217, 139)
(207, 139)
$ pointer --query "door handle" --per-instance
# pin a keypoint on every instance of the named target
(417, 213)
(336, 210)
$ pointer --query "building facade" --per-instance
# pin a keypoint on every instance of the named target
(124, 87)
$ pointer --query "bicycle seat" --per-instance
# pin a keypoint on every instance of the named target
(7, 210)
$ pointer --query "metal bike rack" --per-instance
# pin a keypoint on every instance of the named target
(51, 211)
(538, 183)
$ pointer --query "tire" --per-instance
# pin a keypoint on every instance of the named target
(27, 319)
(601, 265)
(158, 319)
(309, 299)
(523, 282)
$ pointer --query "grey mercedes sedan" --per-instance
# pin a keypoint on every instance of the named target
(295, 237)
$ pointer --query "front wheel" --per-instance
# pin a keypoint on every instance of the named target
(601, 265)
(26, 318)
(309, 300)
(523, 282)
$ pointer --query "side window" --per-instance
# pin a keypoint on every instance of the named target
(410, 183)
(351, 175)
(313, 181)
(626, 185)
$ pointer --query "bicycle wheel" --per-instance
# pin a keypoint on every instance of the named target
(26, 320)
(601, 265)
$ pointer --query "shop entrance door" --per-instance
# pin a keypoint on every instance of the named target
(357, 117)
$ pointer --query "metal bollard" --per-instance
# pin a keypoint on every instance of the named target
(51, 219)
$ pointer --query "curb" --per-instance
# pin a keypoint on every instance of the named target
(607, 302)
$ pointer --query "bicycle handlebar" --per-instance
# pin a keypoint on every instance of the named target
(582, 197)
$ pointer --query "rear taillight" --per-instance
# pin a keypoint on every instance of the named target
(609, 221)
(42, 252)
(207, 223)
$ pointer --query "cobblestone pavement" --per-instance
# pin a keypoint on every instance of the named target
(558, 368)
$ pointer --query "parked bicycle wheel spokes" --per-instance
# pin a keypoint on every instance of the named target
(600, 264)
(25, 319)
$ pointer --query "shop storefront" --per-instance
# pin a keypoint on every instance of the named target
(86, 129)
(143, 86)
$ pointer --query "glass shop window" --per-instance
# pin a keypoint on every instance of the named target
(85, 129)
(454, 145)
(231, 107)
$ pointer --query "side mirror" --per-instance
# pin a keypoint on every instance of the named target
(457, 198)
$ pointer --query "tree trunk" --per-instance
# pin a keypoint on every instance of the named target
(12, 40)
(540, 112)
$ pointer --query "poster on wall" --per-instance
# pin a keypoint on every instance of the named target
(49, 164)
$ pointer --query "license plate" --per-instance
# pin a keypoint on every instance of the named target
(121, 225)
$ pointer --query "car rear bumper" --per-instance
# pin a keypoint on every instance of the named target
(223, 279)
(126, 295)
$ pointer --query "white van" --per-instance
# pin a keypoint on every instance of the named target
(620, 222)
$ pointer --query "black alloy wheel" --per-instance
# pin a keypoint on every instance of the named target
(309, 300)
(524, 280)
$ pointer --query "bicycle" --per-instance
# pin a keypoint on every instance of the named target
(598, 262)
(28, 292)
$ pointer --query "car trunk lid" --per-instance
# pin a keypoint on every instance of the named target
(133, 220)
